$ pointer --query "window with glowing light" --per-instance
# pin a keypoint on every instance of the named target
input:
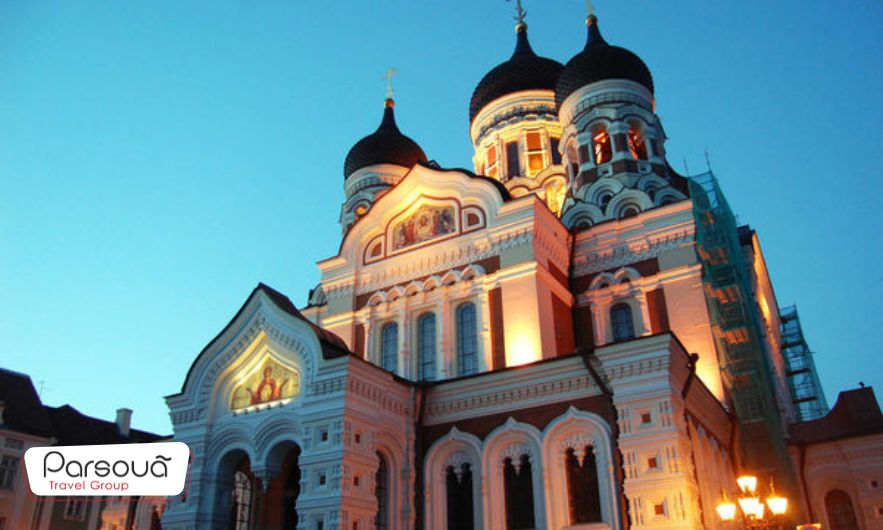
(458, 482)
(513, 165)
(389, 346)
(492, 161)
(583, 494)
(621, 322)
(536, 156)
(467, 340)
(426, 347)
(243, 491)
(602, 147)
(637, 142)
(518, 483)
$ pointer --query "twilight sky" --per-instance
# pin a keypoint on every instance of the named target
(158, 159)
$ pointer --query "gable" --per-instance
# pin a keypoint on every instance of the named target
(263, 357)
(427, 206)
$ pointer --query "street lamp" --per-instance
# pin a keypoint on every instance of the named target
(752, 507)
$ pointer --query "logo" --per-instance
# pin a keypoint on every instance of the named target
(155, 469)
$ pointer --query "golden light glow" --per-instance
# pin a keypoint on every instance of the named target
(750, 506)
(726, 510)
(522, 348)
(778, 505)
(747, 483)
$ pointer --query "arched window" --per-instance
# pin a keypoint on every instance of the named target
(602, 147)
(629, 211)
(621, 322)
(467, 340)
(637, 142)
(604, 199)
(518, 483)
(841, 513)
(389, 346)
(243, 492)
(584, 497)
(381, 491)
(426, 347)
(459, 493)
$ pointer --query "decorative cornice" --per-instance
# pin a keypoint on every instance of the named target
(492, 396)
(515, 114)
(622, 255)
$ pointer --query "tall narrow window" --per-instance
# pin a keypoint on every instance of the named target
(492, 161)
(75, 509)
(389, 346)
(8, 471)
(841, 513)
(381, 490)
(582, 487)
(536, 160)
(574, 159)
(467, 340)
(513, 167)
(637, 143)
(459, 493)
(556, 156)
(602, 147)
(519, 493)
(426, 347)
(243, 490)
(621, 322)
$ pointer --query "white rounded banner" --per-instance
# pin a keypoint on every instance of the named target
(150, 469)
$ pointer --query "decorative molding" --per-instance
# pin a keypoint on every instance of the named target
(622, 255)
(493, 397)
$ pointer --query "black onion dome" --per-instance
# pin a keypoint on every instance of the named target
(525, 70)
(386, 145)
(599, 61)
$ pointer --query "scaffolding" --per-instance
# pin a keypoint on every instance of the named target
(746, 366)
(803, 379)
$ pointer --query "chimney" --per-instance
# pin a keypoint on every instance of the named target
(124, 421)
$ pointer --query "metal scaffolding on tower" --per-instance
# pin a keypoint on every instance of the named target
(737, 326)
(803, 379)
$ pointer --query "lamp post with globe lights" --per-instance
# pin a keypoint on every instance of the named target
(757, 513)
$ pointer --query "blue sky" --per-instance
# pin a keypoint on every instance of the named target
(158, 159)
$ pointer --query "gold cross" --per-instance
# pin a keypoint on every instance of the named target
(520, 12)
(390, 72)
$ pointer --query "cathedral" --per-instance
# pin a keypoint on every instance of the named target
(568, 335)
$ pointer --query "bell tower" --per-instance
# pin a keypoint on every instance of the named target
(613, 141)
(514, 126)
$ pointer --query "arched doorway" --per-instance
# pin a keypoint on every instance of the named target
(841, 514)
(236, 489)
(280, 510)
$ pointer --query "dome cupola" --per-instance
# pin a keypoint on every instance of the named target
(525, 70)
(386, 145)
(599, 61)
